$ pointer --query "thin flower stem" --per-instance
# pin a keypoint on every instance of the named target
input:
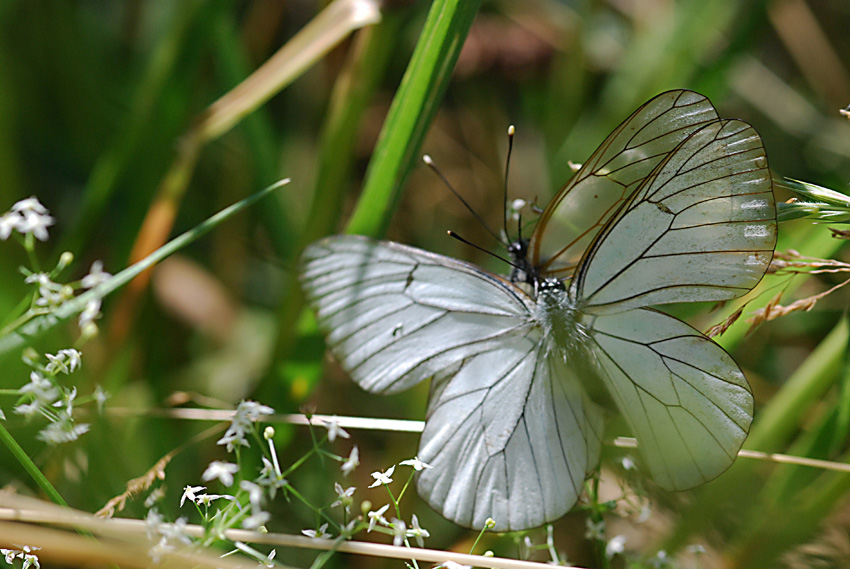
(406, 484)
(477, 539)
(300, 461)
(394, 501)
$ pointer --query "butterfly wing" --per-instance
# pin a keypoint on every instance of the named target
(394, 315)
(510, 436)
(702, 227)
(611, 175)
(686, 401)
(509, 433)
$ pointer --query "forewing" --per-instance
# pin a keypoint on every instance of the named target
(702, 227)
(610, 176)
(395, 315)
(686, 401)
(509, 436)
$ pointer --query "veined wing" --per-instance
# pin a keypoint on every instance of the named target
(610, 176)
(702, 227)
(686, 401)
(510, 436)
(394, 315)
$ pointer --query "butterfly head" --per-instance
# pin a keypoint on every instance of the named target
(523, 271)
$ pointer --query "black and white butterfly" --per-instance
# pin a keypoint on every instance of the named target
(675, 206)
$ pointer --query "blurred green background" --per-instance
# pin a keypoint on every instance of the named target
(96, 98)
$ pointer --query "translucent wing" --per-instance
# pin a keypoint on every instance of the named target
(610, 176)
(509, 436)
(701, 227)
(395, 315)
(685, 399)
(509, 433)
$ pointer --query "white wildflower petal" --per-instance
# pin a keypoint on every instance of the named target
(628, 463)
(399, 531)
(352, 462)
(377, 517)
(100, 397)
(96, 276)
(246, 414)
(29, 204)
(594, 530)
(417, 464)
(321, 533)
(223, 471)
(255, 493)
(73, 357)
(417, 531)
(334, 429)
(452, 565)
(256, 520)
(62, 431)
(8, 223)
(382, 477)
(155, 496)
(35, 223)
(615, 546)
(189, 493)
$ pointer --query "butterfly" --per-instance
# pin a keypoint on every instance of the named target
(676, 205)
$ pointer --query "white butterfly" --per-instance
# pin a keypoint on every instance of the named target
(675, 206)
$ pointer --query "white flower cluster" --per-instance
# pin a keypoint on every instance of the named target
(43, 396)
(27, 217)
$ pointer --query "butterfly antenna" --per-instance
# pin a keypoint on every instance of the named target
(511, 131)
(430, 163)
(482, 249)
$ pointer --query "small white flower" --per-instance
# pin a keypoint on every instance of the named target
(96, 276)
(90, 313)
(660, 560)
(247, 413)
(615, 546)
(317, 534)
(255, 493)
(594, 530)
(155, 496)
(207, 499)
(254, 521)
(382, 477)
(8, 223)
(399, 531)
(417, 464)
(696, 549)
(65, 361)
(353, 461)
(343, 495)
(452, 565)
(35, 223)
(334, 429)
(377, 517)
(189, 493)
(30, 204)
(418, 532)
(223, 471)
(62, 431)
(100, 397)
(628, 463)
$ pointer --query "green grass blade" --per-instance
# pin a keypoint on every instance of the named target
(413, 107)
